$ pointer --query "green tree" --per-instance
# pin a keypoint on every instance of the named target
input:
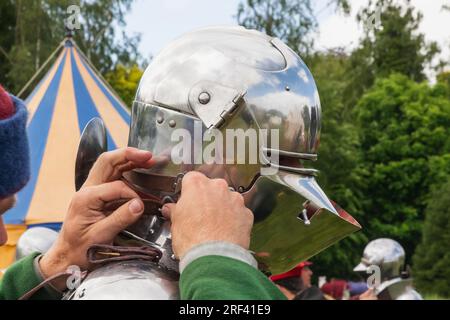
(36, 27)
(395, 46)
(444, 79)
(7, 25)
(98, 36)
(125, 81)
(289, 20)
(405, 148)
(293, 21)
(338, 158)
(22, 42)
(432, 258)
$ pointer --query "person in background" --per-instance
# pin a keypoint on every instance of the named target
(394, 278)
(14, 154)
(296, 283)
(337, 289)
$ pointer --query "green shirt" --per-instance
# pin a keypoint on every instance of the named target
(20, 278)
(222, 278)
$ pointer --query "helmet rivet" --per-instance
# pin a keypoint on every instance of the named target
(288, 88)
(160, 119)
(172, 123)
(204, 98)
(304, 217)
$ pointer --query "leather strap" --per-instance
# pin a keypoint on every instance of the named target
(154, 192)
(102, 254)
(47, 281)
(151, 183)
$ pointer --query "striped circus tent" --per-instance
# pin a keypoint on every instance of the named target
(66, 99)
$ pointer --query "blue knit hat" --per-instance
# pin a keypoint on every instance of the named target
(14, 151)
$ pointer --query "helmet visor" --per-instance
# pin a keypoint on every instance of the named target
(294, 220)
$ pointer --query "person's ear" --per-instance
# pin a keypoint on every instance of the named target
(6, 204)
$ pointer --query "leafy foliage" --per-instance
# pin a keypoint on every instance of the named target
(290, 20)
(98, 38)
(32, 29)
(432, 258)
(384, 142)
(338, 161)
(394, 47)
(125, 81)
(404, 134)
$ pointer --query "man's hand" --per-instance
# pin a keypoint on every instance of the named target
(207, 211)
(87, 222)
(368, 295)
(111, 165)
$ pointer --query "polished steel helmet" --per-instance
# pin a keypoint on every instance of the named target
(387, 254)
(219, 90)
(34, 240)
(239, 105)
(410, 294)
(397, 289)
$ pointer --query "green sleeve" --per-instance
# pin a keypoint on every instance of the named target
(222, 278)
(20, 278)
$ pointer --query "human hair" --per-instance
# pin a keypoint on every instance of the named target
(293, 284)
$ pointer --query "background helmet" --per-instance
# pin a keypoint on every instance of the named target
(397, 289)
(388, 254)
(410, 294)
(33, 240)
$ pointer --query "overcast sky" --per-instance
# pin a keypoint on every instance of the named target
(160, 21)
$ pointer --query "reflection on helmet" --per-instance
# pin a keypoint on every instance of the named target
(230, 78)
(387, 254)
(128, 280)
(410, 294)
(397, 289)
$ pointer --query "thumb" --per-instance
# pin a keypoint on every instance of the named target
(167, 209)
(120, 219)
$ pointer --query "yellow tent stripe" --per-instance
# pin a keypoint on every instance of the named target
(114, 123)
(113, 94)
(55, 185)
(33, 104)
(8, 251)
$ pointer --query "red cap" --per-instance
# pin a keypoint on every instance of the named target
(335, 288)
(296, 272)
(6, 105)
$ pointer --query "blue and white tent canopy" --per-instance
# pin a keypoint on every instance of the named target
(67, 98)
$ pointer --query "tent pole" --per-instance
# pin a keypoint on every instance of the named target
(100, 75)
(40, 70)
